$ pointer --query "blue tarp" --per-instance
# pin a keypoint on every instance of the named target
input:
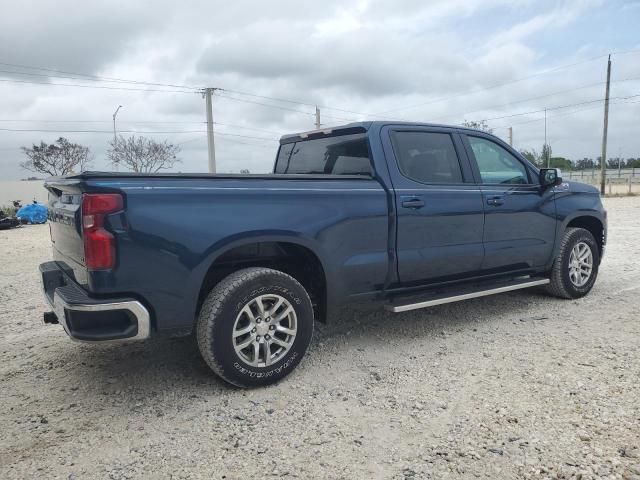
(33, 213)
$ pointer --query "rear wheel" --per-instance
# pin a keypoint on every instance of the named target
(255, 326)
(576, 267)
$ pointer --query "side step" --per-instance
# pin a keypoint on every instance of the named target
(456, 294)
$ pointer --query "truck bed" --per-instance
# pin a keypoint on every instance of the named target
(173, 226)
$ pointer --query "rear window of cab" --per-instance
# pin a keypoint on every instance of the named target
(337, 155)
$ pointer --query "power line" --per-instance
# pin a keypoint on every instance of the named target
(312, 104)
(239, 142)
(297, 102)
(39, 130)
(280, 107)
(89, 79)
(93, 77)
(556, 108)
(491, 87)
(626, 52)
(25, 120)
(84, 76)
(140, 122)
(559, 115)
(264, 104)
(120, 80)
(108, 79)
(43, 130)
(551, 117)
(244, 136)
(103, 87)
(492, 107)
(262, 145)
(192, 89)
(274, 139)
(248, 128)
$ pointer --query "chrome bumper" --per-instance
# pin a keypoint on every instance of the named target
(70, 302)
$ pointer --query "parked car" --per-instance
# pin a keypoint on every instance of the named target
(398, 216)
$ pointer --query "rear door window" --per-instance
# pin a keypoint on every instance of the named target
(427, 157)
(340, 155)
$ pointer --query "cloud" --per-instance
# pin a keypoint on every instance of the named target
(412, 58)
(70, 34)
(558, 17)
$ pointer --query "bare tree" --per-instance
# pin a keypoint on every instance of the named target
(59, 158)
(478, 125)
(143, 155)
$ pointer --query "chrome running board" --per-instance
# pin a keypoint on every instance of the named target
(397, 305)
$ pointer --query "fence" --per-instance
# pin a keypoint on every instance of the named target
(593, 175)
(618, 182)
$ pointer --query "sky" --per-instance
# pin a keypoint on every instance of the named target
(442, 61)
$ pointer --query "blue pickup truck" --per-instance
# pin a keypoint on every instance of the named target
(399, 216)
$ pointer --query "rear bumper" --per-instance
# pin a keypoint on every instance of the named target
(88, 319)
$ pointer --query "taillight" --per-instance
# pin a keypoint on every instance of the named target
(99, 244)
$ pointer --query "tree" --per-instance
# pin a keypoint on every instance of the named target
(538, 159)
(56, 159)
(585, 163)
(143, 155)
(633, 163)
(612, 163)
(561, 163)
(531, 155)
(478, 125)
(545, 155)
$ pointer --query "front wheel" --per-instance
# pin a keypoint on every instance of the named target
(576, 267)
(255, 326)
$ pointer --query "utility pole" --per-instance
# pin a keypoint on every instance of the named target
(603, 163)
(210, 143)
(317, 118)
(546, 147)
(115, 137)
(511, 136)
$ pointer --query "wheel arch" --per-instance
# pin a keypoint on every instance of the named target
(286, 252)
(591, 223)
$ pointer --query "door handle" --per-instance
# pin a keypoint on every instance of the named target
(495, 200)
(412, 202)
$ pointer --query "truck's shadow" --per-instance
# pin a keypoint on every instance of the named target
(150, 366)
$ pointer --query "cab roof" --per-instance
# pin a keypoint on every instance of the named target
(361, 127)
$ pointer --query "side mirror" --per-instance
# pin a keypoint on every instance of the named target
(550, 177)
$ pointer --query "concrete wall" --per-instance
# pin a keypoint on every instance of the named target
(26, 192)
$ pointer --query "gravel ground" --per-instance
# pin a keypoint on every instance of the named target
(512, 386)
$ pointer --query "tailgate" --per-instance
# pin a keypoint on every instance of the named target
(65, 199)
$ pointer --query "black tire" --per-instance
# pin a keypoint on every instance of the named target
(218, 315)
(561, 285)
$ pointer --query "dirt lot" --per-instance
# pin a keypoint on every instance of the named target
(513, 386)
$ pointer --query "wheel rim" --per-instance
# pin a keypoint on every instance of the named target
(264, 330)
(580, 264)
